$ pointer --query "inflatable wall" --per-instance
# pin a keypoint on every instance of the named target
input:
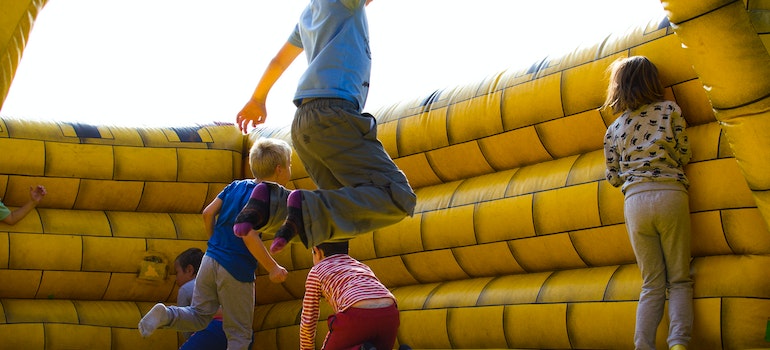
(517, 241)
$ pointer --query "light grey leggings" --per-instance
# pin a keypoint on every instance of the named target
(658, 225)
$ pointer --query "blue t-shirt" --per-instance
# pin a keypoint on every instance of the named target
(335, 37)
(224, 246)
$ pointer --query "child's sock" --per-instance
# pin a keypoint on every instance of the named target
(293, 224)
(156, 318)
(256, 212)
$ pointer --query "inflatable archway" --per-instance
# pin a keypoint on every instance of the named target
(517, 241)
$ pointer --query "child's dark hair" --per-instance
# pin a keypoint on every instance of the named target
(192, 256)
(331, 248)
(633, 83)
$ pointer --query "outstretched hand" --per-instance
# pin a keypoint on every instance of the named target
(36, 193)
(253, 113)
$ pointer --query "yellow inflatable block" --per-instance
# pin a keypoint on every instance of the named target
(457, 293)
(745, 321)
(537, 326)
(578, 285)
(546, 253)
(486, 121)
(585, 131)
(31, 311)
(79, 161)
(19, 283)
(4, 250)
(417, 170)
(73, 285)
(128, 287)
(476, 327)
(704, 141)
(540, 177)
(579, 201)
(518, 222)
(189, 226)
(286, 338)
(28, 157)
(173, 197)
(482, 188)
(431, 125)
(424, 329)
(458, 161)
(600, 325)
(746, 231)
(415, 296)
(610, 204)
(392, 271)
(531, 102)
(109, 195)
(28, 336)
(625, 285)
(73, 336)
(589, 167)
(434, 266)
(108, 313)
(131, 164)
(280, 315)
(696, 107)
(387, 134)
(130, 339)
(205, 165)
(717, 184)
(267, 339)
(493, 259)
(401, 238)
(513, 289)
(672, 61)
(75, 222)
(513, 149)
(715, 276)
(45, 252)
(603, 246)
(448, 228)
(141, 225)
(708, 236)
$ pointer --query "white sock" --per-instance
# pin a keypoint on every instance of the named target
(156, 318)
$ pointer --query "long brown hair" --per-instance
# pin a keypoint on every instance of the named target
(633, 83)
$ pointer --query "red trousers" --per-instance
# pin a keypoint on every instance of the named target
(351, 328)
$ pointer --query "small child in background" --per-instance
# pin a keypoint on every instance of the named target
(213, 337)
(366, 316)
(226, 275)
(11, 217)
(646, 149)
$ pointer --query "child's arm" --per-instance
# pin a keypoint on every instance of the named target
(254, 112)
(36, 194)
(259, 251)
(210, 215)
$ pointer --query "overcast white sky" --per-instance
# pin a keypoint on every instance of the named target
(186, 62)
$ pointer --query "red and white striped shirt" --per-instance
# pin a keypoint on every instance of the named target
(343, 281)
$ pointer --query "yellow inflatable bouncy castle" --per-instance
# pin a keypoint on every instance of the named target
(517, 241)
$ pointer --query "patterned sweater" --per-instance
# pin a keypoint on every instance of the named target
(343, 281)
(648, 144)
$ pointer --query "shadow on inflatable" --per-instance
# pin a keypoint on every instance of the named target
(517, 240)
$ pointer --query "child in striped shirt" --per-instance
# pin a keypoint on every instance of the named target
(365, 315)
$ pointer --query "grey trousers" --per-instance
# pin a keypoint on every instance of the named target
(214, 286)
(658, 225)
(360, 189)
